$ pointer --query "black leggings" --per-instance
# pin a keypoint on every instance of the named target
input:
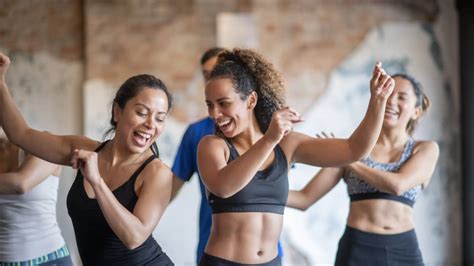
(209, 260)
(357, 247)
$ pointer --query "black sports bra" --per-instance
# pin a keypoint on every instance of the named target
(266, 192)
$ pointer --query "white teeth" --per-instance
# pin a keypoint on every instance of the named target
(391, 112)
(223, 123)
(144, 135)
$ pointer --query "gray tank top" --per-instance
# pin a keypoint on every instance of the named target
(358, 189)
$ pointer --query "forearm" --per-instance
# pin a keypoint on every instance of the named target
(365, 136)
(128, 228)
(16, 127)
(32, 172)
(297, 199)
(239, 172)
(44, 145)
(384, 181)
(325, 180)
(176, 187)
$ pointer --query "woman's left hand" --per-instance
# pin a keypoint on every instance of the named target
(86, 161)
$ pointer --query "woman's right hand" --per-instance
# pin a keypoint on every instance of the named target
(87, 163)
(282, 123)
(381, 84)
(4, 64)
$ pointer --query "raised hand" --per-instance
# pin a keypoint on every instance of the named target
(282, 123)
(4, 64)
(86, 161)
(381, 84)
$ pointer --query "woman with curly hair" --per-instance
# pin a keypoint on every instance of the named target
(245, 165)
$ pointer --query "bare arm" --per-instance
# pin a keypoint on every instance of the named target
(417, 170)
(222, 179)
(337, 152)
(325, 180)
(53, 148)
(176, 187)
(132, 228)
(32, 172)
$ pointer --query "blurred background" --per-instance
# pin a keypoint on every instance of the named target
(70, 56)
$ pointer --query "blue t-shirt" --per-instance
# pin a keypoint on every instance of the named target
(185, 165)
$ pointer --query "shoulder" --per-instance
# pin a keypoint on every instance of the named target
(429, 147)
(158, 171)
(213, 145)
(211, 141)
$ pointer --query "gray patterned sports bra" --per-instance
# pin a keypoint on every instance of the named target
(358, 189)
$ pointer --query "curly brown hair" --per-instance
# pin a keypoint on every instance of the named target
(249, 72)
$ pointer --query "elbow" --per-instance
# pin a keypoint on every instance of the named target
(303, 207)
(222, 191)
(18, 137)
(396, 189)
(134, 243)
(132, 246)
(224, 194)
(21, 188)
(300, 203)
(358, 151)
(360, 155)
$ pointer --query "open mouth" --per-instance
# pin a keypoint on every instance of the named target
(141, 138)
(224, 125)
(391, 113)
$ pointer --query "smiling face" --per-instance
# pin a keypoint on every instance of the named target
(142, 119)
(230, 113)
(401, 105)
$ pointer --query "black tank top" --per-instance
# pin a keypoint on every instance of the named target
(97, 243)
(266, 192)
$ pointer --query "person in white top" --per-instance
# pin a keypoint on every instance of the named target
(29, 233)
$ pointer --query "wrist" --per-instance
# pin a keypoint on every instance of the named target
(377, 100)
(98, 184)
(269, 140)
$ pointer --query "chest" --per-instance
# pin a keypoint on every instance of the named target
(115, 178)
(386, 155)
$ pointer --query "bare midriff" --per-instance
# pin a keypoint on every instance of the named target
(380, 216)
(245, 237)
